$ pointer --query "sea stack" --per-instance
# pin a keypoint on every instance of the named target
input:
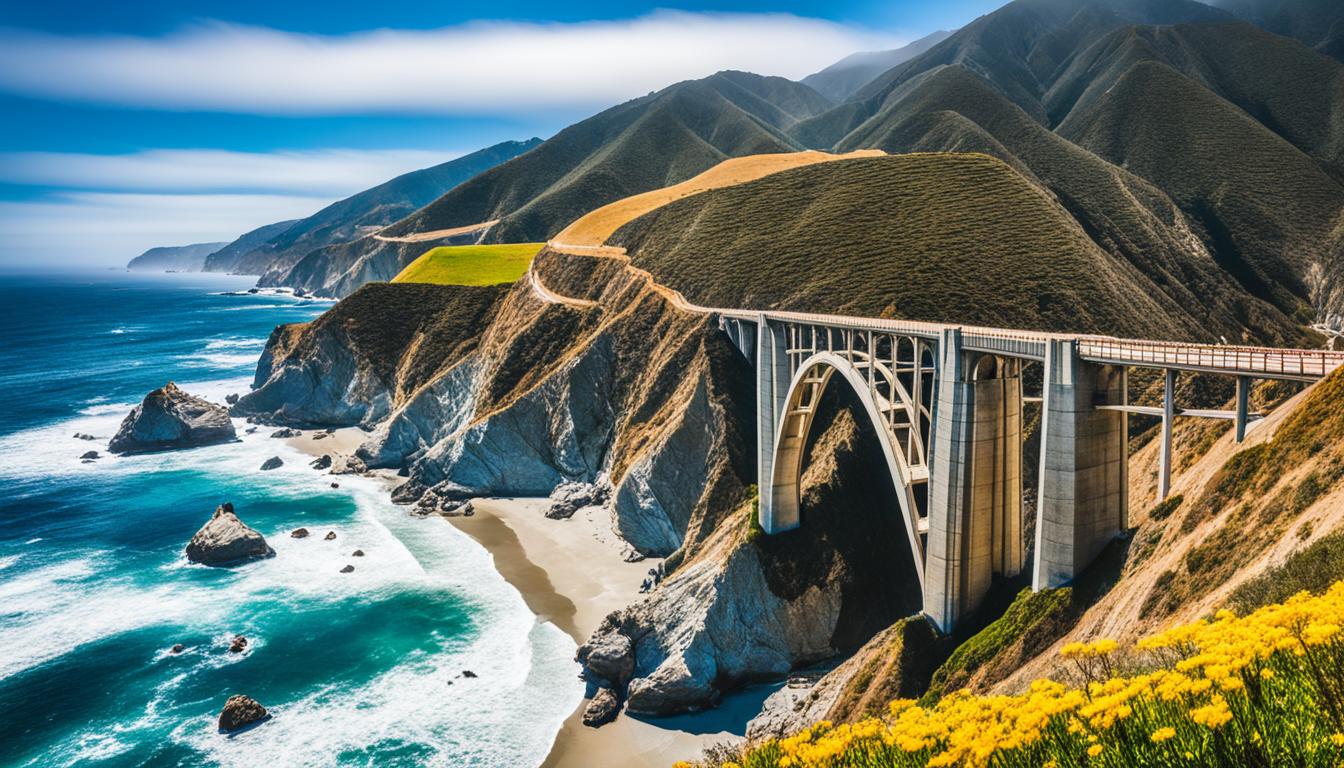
(240, 712)
(169, 418)
(226, 540)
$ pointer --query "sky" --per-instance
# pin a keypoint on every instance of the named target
(166, 122)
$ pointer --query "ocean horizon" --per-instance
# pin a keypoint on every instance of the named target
(362, 668)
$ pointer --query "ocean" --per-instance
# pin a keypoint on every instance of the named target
(363, 668)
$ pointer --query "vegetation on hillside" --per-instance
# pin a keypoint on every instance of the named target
(929, 237)
(470, 264)
(1265, 689)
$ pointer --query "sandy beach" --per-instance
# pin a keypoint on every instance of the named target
(572, 574)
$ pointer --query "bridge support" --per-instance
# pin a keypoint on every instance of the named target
(1083, 491)
(772, 390)
(975, 492)
(1243, 406)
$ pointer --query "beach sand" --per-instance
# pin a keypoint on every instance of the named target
(572, 573)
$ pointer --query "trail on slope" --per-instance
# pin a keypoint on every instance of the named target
(587, 236)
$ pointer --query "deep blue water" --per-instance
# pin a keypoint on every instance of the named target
(358, 669)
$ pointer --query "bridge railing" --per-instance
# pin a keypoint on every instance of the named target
(1266, 360)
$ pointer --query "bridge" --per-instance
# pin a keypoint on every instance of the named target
(947, 404)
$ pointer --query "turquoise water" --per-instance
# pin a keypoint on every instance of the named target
(358, 669)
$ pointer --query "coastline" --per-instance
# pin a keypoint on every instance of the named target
(571, 573)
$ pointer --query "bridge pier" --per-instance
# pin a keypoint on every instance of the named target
(772, 390)
(1083, 490)
(975, 491)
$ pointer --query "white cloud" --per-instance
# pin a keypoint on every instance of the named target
(479, 67)
(111, 228)
(323, 172)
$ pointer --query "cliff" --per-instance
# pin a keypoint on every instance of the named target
(174, 258)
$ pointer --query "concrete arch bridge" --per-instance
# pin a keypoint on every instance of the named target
(947, 404)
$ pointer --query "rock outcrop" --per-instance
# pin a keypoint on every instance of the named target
(226, 540)
(602, 708)
(275, 462)
(240, 712)
(169, 418)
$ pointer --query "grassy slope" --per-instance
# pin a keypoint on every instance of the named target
(932, 237)
(470, 264)
(644, 144)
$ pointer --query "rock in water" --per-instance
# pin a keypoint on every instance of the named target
(225, 539)
(299, 533)
(178, 648)
(321, 462)
(170, 418)
(348, 569)
(238, 645)
(275, 462)
(331, 536)
(241, 711)
(89, 455)
(286, 432)
(602, 709)
(84, 436)
(231, 399)
(357, 553)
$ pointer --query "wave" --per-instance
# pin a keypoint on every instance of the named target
(235, 343)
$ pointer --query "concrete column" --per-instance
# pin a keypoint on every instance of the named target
(1164, 450)
(1083, 490)
(949, 484)
(975, 483)
(772, 387)
(1243, 406)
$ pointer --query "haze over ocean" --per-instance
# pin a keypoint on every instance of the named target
(360, 669)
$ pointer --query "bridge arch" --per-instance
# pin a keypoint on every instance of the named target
(883, 396)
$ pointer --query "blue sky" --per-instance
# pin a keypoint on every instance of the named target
(129, 125)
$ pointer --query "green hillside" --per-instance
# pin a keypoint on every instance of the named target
(470, 264)
(931, 237)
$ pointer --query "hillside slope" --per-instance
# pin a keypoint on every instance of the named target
(247, 255)
(929, 237)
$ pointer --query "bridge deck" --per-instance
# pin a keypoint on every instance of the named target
(1256, 362)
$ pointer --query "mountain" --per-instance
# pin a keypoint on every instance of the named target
(361, 213)
(174, 258)
(248, 255)
(840, 80)
(1314, 22)
(644, 144)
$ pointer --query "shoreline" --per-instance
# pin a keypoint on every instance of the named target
(571, 573)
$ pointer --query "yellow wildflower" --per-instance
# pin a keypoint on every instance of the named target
(1162, 734)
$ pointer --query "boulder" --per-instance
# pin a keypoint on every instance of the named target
(608, 657)
(568, 498)
(238, 644)
(602, 708)
(275, 462)
(169, 418)
(240, 712)
(357, 553)
(331, 536)
(321, 462)
(84, 436)
(89, 455)
(348, 569)
(335, 485)
(286, 432)
(231, 398)
(319, 436)
(225, 539)
(468, 673)
(177, 648)
(299, 533)
(348, 465)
